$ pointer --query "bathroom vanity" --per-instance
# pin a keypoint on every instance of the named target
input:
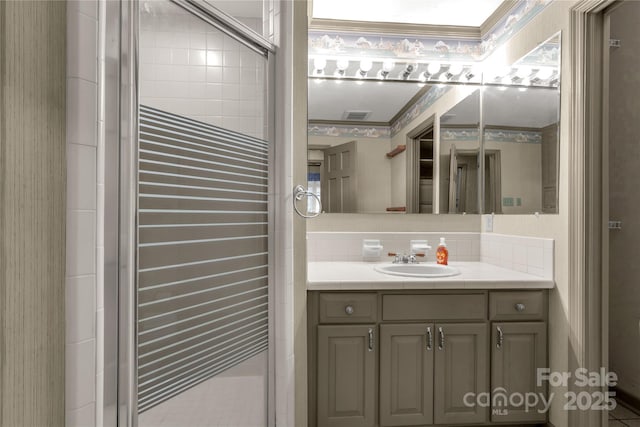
(397, 351)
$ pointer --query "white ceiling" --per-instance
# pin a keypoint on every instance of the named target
(534, 108)
(329, 99)
(434, 12)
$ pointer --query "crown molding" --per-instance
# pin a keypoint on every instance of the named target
(410, 104)
(502, 11)
(348, 123)
(392, 28)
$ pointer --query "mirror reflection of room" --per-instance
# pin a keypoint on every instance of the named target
(403, 135)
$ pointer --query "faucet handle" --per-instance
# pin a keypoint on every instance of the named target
(419, 247)
(397, 257)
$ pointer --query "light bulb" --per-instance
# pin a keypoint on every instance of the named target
(342, 64)
(455, 69)
(410, 68)
(506, 80)
(443, 78)
(503, 71)
(433, 68)
(544, 73)
(526, 82)
(523, 72)
(319, 64)
(365, 65)
(388, 65)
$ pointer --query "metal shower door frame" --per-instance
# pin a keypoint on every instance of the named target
(119, 101)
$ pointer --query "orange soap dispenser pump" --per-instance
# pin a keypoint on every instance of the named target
(442, 253)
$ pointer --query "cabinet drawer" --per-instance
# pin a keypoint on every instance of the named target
(434, 307)
(517, 305)
(348, 308)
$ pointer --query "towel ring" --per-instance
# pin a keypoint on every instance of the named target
(299, 192)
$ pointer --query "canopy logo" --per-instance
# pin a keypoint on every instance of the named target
(501, 401)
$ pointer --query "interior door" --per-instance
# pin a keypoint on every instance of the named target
(340, 175)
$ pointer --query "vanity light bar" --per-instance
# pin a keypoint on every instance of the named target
(420, 71)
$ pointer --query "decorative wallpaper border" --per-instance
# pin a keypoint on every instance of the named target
(514, 136)
(510, 24)
(383, 46)
(421, 105)
(491, 135)
(458, 134)
(342, 43)
(401, 47)
(349, 131)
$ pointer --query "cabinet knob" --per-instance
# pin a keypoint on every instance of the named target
(520, 307)
(349, 310)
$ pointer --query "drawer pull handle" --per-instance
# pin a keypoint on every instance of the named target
(429, 339)
(441, 343)
(370, 339)
(500, 340)
(349, 310)
(520, 307)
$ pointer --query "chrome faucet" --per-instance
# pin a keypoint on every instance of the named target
(404, 258)
(417, 249)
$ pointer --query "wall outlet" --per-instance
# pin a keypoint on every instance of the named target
(507, 201)
(518, 201)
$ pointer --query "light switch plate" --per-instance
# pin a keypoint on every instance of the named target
(488, 223)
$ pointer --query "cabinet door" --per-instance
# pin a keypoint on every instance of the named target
(406, 374)
(460, 369)
(346, 376)
(518, 350)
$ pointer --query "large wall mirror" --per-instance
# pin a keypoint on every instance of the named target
(446, 136)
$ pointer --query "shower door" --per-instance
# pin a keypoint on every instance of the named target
(200, 345)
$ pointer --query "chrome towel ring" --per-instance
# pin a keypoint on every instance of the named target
(299, 192)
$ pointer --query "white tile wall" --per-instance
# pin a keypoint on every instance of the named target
(345, 246)
(84, 218)
(192, 69)
(525, 254)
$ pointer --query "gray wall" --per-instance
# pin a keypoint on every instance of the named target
(624, 174)
(32, 213)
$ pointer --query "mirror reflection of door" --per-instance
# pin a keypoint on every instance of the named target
(340, 178)
(314, 178)
(464, 183)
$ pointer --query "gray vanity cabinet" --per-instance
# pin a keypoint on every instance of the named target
(346, 376)
(406, 374)
(518, 350)
(460, 368)
(422, 358)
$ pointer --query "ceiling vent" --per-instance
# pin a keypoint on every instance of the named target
(356, 115)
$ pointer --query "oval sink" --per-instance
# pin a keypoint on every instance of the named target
(418, 270)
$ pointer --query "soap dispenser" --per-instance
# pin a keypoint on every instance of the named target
(442, 253)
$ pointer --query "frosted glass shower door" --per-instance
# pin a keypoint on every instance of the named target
(203, 224)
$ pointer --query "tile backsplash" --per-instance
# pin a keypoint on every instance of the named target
(347, 246)
(525, 254)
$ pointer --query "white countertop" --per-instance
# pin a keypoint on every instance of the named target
(323, 276)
